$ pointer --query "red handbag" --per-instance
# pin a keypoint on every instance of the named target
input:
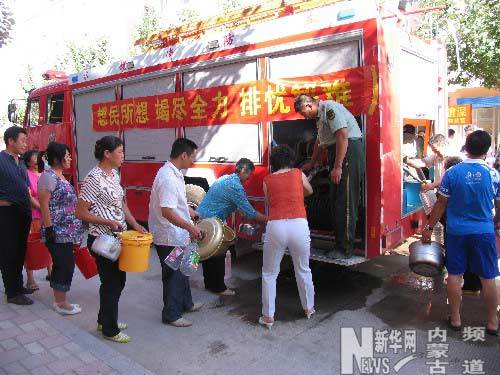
(85, 262)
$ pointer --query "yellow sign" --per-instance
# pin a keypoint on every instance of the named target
(460, 114)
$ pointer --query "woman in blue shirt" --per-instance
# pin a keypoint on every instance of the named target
(225, 196)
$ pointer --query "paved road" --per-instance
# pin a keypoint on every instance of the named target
(225, 338)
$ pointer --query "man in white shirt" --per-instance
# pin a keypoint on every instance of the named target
(170, 223)
(439, 146)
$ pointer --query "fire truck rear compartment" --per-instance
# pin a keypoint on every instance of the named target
(300, 135)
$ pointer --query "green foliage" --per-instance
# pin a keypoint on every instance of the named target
(6, 23)
(76, 59)
(227, 6)
(19, 118)
(190, 14)
(149, 25)
(478, 31)
(79, 57)
(187, 15)
(27, 81)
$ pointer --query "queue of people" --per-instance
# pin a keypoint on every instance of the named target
(101, 205)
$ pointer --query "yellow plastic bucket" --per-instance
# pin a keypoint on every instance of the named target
(134, 256)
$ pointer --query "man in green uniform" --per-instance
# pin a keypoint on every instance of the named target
(338, 131)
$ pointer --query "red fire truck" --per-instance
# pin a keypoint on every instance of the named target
(228, 84)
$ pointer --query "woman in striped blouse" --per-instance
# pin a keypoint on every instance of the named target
(102, 204)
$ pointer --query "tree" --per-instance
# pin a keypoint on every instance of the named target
(27, 81)
(76, 59)
(190, 14)
(472, 28)
(81, 57)
(228, 6)
(148, 26)
(6, 23)
(186, 15)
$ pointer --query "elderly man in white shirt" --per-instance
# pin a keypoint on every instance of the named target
(170, 223)
(439, 146)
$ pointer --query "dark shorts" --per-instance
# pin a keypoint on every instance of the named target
(476, 253)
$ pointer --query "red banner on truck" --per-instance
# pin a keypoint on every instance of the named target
(250, 102)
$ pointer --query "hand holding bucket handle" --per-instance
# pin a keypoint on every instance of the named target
(139, 228)
(114, 225)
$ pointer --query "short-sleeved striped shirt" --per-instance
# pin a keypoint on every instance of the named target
(105, 195)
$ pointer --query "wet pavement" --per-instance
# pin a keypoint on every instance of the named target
(225, 339)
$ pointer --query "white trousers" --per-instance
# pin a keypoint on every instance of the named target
(294, 235)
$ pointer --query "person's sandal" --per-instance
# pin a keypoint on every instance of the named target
(181, 322)
(493, 332)
(471, 293)
(453, 327)
(121, 338)
(32, 287)
(120, 326)
(228, 293)
(309, 313)
(268, 325)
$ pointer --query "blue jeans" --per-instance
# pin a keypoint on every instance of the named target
(176, 290)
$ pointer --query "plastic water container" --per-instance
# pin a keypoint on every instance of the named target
(135, 251)
(412, 195)
(428, 199)
(174, 258)
(438, 233)
(37, 254)
(85, 261)
(227, 265)
(191, 259)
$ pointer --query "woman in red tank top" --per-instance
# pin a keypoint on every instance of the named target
(287, 228)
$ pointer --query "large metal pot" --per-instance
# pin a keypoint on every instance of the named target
(194, 195)
(217, 237)
(107, 246)
(426, 259)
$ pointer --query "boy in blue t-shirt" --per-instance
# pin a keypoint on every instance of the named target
(467, 193)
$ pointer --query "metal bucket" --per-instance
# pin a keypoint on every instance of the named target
(426, 259)
(217, 237)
